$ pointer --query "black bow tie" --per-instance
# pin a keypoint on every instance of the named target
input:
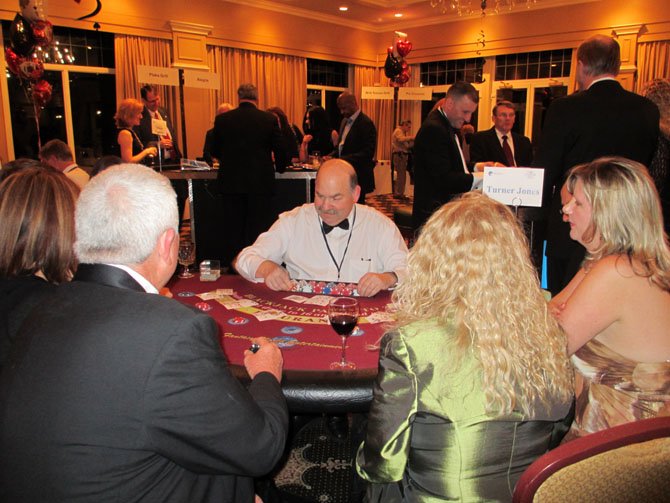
(344, 224)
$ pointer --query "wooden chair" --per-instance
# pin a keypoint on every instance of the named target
(627, 463)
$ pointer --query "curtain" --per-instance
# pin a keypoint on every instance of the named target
(380, 111)
(653, 62)
(131, 51)
(281, 80)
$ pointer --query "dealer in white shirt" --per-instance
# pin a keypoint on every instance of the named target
(332, 239)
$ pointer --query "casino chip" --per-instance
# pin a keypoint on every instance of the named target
(285, 342)
(238, 320)
(291, 330)
(185, 294)
(203, 306)
(357, 332)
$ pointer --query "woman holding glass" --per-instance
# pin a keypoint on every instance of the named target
(474, 380)
(127, 117)
(616, 310)
(37, 214)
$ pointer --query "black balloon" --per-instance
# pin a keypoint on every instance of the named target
(21, 36)
(392, 66)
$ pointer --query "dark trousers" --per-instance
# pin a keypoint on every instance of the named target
(245, 216)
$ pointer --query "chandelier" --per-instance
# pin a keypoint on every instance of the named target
(467, 7)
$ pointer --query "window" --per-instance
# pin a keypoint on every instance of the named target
(327, 73)
(440, 73)
(534, 65)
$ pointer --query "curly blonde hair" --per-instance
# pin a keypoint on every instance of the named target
(658, 91)
(471, 264)
(626, 215)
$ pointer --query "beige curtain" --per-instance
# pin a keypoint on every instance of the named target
(653, 62)
(281, 80)
(131, 51)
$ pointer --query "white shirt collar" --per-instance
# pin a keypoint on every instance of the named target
(144, 283)
(70, 167)
(355, 115)
(600, 80)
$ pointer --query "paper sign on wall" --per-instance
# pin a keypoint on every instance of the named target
(514, 186)
(157, 75)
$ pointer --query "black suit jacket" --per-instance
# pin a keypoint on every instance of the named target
(119, 395)
(244, 140)
(485, 146)
(438, 167)
(144, 129)
(604, 120)
(359, 150)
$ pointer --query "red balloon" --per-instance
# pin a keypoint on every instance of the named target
(404, 47)
(41, 91)
(31, 69)
(43, 33)
(13, 61)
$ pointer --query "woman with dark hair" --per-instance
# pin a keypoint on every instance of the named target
(37, 207)
(291, 134)
(616, 310)
(128, 115)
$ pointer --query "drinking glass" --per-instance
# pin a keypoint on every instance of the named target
(186, 257)
(343, 317)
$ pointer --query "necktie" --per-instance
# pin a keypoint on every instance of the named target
(344, 224)
(508, 152)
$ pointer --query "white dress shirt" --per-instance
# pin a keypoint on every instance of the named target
(296, 240)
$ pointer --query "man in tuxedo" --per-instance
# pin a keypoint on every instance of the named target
(440, 172)
(116, 393)
(357, 142)
(500, 144)
(246, 140)
(155, 115)
(602, 119)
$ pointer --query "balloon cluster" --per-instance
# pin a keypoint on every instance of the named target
(395, 67)
(29, 31)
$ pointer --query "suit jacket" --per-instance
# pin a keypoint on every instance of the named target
(244, 140)
(604, 120)
(144, 129)
(485, 146)
(438, 167)
(359, 150)
(119, 395)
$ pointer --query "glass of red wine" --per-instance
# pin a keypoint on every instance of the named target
(343, 317)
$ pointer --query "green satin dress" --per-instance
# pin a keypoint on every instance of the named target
(429, 438)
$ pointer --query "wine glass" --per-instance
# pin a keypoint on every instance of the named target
(343, 317)
(186, 257)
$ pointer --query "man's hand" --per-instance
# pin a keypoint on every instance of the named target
(372, 282)
(268, 358)
(479, 166)
(276, 277)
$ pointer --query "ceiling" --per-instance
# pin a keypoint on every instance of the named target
(380, 15)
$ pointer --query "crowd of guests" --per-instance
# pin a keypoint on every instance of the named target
(130, 395)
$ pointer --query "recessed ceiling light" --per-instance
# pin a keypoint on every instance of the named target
(344, 8)
(398, 14)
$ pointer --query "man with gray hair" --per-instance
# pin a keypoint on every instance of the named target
(118, 394)
(250, 148)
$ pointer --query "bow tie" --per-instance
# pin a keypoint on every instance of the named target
(344, 224)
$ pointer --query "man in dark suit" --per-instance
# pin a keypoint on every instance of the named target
(357, 142)
(500, 144)
(245, 141)
(170, 153)
(209, 135)
(602, 119)
(116, 393)
(440, 172)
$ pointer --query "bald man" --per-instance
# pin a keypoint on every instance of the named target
(332, 239)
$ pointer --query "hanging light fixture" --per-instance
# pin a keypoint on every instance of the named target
(467, 7)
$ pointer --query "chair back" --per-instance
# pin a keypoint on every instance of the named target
(630, 462)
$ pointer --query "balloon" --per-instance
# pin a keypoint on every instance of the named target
(403, 78)
(21, 36)
(404, 65)
(34, 10)
(404, 47)
(41, 93)
(13, 61)
(43, 33)
(392, 66)
(31, 69)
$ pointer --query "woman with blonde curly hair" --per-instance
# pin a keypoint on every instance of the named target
(616, 310)
(474, 380)
(131, 149)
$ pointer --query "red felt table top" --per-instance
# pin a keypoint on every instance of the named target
(316, 344)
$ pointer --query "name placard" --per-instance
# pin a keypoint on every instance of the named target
(514, 186)
(157, 75)
(376, 93)
(415, 93)
(201, 80)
